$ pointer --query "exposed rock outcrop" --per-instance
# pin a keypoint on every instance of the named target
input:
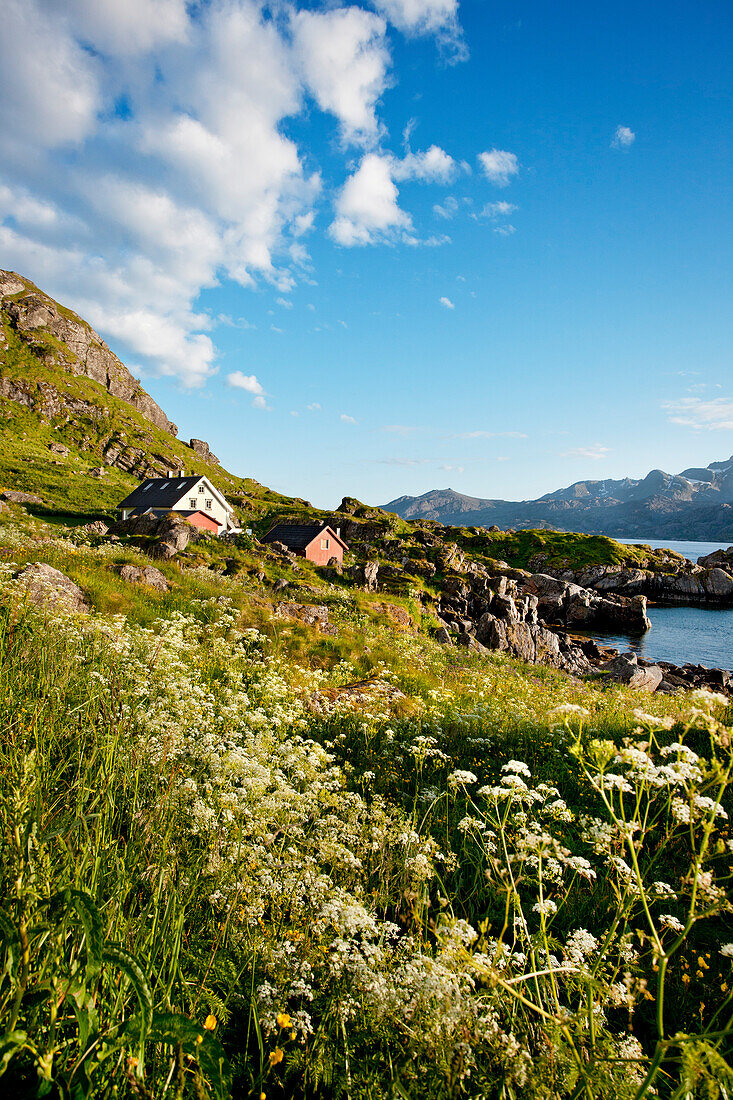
(33, 314)
(171, 532)
(201, 448)
(45, 585)
(16, 496)
(147, 574)
(709, 581)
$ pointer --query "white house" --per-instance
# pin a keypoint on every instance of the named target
(194, 497)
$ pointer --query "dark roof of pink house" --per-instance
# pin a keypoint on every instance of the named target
(296, 536)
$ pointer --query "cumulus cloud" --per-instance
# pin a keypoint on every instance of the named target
(421, 17)
(146, 154)
(346, 419)
(132, 27)
(50, 87)
(367, 208)
(248, 382)
(344, 59)
(447, 303)
(595, 452)
(693, 412)
(432, 166)
(499, 166)
(623, 137)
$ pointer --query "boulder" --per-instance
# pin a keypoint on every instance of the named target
(15, 496)
(174, 533)
(395, 614)
(626, 670)
(96, 527)
(313, 615)
(147, 574)
(97, 471)
(723, 558)
(59, 449)
(44, 584)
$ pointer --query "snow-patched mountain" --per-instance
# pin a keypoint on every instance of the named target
(694, 504)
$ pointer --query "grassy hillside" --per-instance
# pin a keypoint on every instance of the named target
(245, 857)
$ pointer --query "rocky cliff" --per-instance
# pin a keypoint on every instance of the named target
(60, 337)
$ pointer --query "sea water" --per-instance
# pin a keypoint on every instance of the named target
(684, 633)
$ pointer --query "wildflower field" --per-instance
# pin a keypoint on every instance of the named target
(240, 859)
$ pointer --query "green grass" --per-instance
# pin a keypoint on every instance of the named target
(178, 846)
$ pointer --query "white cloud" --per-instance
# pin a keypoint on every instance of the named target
(366, 208)
(129, 27)
(49, 85)
(447, 209)
(505, 230)
(499, 166)
(623, 138)
(248, 382)
(418, 17)
(595, 452)
(344, 59)
(259, 402)
(447, 303)
(347, 419)
(284, 302)
(183, 171)
(432, 166)
(313, 407)
(693, 412)
(498, 210)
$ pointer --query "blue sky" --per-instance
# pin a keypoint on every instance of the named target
(379, 249)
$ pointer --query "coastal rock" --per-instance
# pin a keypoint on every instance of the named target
(44, 584)
(626, 670)
(723, 558)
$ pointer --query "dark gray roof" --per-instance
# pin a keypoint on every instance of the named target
(296, 536)
(160, 492)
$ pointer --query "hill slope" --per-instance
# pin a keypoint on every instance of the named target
(695, 504)
(76, 427)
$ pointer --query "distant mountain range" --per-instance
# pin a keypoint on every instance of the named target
(696, 504)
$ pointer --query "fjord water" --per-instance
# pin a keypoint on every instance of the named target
(686, 633)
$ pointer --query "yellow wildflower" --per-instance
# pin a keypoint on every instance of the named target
(210, 1022)
(283, 1020)
(276, 1056)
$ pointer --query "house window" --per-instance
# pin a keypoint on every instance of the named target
(208, 504)
(148, 486)
(193, 503)
(324, 544)
(201, 488)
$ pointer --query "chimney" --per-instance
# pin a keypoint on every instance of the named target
(338, 532)
(182, 473)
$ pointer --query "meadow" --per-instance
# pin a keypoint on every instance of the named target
(243, 859)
